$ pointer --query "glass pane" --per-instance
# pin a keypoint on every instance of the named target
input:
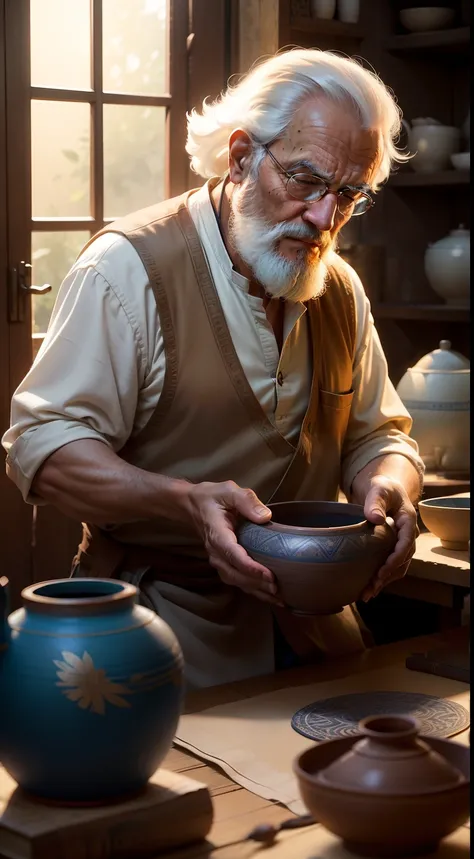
(52, 255)
(61, 43)
(60, 159)
(134, 157)
(135, 46)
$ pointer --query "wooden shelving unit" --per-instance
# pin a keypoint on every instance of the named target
(429, 74)
(455, 41)
(436, 485)
(313, 27)
(446, 178)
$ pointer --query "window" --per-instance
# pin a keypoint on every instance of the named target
(107, 119)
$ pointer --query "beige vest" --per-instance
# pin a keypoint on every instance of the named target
(208, 424)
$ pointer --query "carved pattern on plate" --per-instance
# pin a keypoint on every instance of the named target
(339, 717)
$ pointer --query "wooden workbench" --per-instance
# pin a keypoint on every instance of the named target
(236, 811)
(436, 575)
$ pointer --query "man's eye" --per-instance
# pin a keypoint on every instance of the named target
(302, 179)
(353, 196)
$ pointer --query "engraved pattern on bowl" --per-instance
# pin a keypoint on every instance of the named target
(308, 549)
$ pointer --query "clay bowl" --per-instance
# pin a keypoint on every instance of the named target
(322, 553)
(391, 795)
(449, 519)
(422, 19)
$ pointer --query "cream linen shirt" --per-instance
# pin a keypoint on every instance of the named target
(100, 370)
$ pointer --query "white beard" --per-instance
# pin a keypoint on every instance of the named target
(255, 241)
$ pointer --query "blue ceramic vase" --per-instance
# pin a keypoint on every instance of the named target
(91, 688)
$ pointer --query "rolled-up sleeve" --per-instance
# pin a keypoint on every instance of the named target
(379, 423)
(84, 382)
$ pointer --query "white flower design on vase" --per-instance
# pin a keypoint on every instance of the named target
(88, 686)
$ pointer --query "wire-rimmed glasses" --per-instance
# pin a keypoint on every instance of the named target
(308, 188)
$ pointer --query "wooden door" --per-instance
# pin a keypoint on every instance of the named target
(93, 97)
(15, 516)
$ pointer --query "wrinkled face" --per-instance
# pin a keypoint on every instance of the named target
(286, 241)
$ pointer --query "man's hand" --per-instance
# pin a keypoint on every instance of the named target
(90, 483)
(388, 497)
(214, 508)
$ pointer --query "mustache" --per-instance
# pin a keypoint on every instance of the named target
(305, 232)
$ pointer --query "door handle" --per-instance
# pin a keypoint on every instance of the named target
(19, 288)
(24, 281)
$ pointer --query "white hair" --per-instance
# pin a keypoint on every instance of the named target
(264, 101)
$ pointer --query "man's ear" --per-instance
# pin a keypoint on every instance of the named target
(240, 148)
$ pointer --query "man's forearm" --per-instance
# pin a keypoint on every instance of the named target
(392, 465)
(87, 481)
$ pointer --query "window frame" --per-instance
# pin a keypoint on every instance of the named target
(175, 102)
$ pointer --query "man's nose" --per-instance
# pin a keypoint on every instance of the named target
(322, 213)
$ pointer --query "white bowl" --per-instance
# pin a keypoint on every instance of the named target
(422, 19)
(448, 518)
(461, 160)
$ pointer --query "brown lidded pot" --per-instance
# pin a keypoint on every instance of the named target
(388, 793)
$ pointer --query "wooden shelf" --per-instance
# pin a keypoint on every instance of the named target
(431, 561)
(429, 180)
(454, 41)
(422, 312)
(322, 27)
(436, 485)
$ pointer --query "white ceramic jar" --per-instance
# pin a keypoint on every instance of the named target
(447, 267)
(466, 130)
(436, 392)
(431, 143)
(348, 11)
(323, 8)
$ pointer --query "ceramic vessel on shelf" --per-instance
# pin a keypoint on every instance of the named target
(91, 689)
(389, 794)
(461, 160)
(448, 518)
(448, 267)
(431, 144)
(436, 392)
(322, 553)
(323, 8)
(422, 19)
(466, 129)
(348, 11)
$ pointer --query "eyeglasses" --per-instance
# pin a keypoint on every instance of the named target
(308, 188)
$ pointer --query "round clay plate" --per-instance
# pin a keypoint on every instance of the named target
(339, 717)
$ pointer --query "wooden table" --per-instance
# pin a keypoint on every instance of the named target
(436, 575)
(236, 810)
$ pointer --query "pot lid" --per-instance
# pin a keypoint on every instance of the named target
(425, 120)
(443, 358)
(390, 759)
(460, 232)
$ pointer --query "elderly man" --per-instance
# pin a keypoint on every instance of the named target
(212, 353)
